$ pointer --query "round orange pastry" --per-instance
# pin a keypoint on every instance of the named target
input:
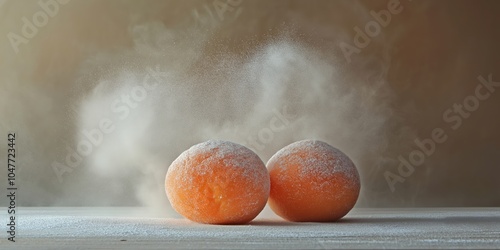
(312, 181)
(218, 182)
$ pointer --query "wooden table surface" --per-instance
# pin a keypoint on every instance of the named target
(124, 228)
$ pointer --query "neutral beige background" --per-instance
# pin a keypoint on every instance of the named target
(396, 89)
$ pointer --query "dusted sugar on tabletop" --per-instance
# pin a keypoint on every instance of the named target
(218, 182)
(312, 181)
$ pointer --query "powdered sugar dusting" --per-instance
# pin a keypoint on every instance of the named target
(227, 153)
(244, 167)
(316, 158)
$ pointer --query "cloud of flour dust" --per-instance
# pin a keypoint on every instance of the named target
(231, 97)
